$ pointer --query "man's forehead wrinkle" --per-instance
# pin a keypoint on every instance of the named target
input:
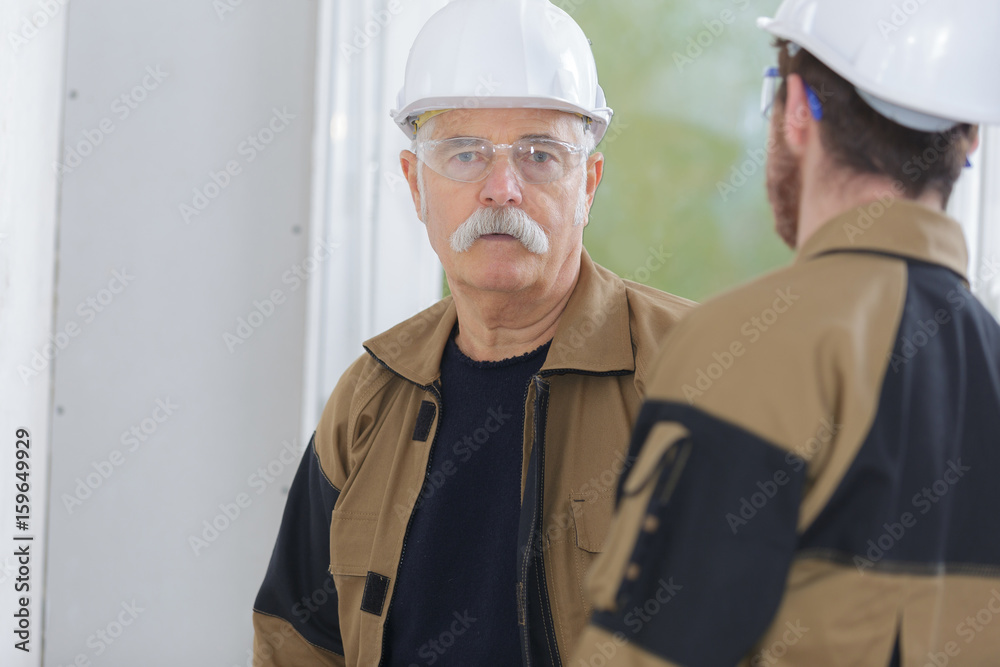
(541, 137)
(529, 137)
(503, 125)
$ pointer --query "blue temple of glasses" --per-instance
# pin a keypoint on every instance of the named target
(815, 106)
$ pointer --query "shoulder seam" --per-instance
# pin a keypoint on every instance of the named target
(370, 385)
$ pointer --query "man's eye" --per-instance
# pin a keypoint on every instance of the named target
(467, 157)
(541, 156)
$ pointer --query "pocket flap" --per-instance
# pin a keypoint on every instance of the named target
(592, 516)
(351, 538)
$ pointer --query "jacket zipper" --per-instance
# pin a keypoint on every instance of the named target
(521, 586)
(539, 419)
(541, 412)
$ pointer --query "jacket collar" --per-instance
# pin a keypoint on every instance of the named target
(903, 228)
(593, 335)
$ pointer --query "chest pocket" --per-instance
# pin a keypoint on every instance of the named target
(351, 538)
(592, 518)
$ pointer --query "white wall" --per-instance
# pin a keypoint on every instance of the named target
(174, 421)
(32, 55)
(152, 357)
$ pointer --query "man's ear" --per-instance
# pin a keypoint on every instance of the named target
(973, 140)
(408, 163)
(798, 117)
(595, 172)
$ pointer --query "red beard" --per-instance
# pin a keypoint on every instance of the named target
(784, 184)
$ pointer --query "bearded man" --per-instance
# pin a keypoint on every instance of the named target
(816, 468)
(461, 478)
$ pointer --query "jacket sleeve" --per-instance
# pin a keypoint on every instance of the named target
(704, 535)
(295, 615)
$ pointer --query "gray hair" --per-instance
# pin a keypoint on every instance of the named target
(423, 134)
(508, 220)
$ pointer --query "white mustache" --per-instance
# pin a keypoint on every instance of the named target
(508, 220)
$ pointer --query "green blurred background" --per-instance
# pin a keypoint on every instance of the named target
(684, 79)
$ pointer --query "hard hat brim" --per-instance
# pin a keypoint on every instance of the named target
(404, 117)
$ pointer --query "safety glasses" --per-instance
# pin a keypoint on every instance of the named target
(469, 159)
(771, 78)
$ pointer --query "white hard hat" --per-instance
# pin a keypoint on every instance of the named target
(505, 54)
(922, 63)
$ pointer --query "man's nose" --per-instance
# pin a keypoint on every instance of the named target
(502, 186)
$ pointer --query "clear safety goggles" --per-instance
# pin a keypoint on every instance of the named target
(771, 78)
(469, 160)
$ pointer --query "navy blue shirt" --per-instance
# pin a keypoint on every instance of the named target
(455, 600)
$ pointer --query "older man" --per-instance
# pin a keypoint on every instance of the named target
(817, 457)
(461, 478)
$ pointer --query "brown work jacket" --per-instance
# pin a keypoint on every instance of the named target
(330, 584)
